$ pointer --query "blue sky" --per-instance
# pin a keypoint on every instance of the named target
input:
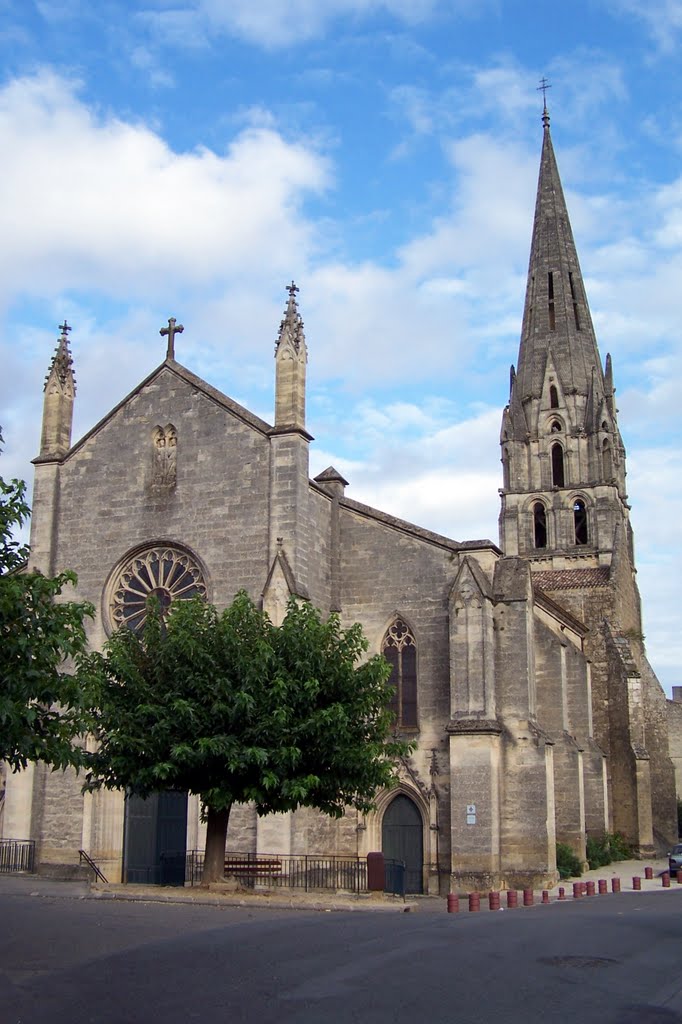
(190, 158)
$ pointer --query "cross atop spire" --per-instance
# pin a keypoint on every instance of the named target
(543, 87)
(64, 328)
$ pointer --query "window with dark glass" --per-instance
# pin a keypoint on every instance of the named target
(580, 521)
(400, 651)
(553, 398)
(607, 461)
(539, 525)
(550, 295)
(557, 465)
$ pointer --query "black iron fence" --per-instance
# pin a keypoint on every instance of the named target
(17, 855)
(307, 872)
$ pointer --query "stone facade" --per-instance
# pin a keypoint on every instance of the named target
(520, 667)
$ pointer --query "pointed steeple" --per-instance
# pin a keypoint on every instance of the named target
(291, 355)
(556, 316)
(563, 458)
(60, 391)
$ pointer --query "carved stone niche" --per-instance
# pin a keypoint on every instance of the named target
(164, 457)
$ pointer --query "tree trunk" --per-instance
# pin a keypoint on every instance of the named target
(216, 836)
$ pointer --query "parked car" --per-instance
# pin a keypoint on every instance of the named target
(675, 859)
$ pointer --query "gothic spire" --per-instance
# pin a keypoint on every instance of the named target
(556, 316)
(291, 327)
(291, 356)
(60, 391)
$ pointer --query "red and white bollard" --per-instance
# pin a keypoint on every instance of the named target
(512, 899)
(545, 895)
(665, 879)
(590, 888)
(474, 901)
(493, 900)
(453, 903)
(648, 873)
(562, 893)
(602, 886)
(636, 883)
(615, 885)
(577, 890)
(528, 897)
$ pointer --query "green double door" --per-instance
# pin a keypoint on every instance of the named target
(155, 839)
(402, 839)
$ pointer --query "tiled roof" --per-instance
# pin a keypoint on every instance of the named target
(571, 579)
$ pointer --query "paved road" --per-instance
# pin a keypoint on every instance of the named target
(71, 960)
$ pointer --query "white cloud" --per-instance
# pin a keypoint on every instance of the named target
(93, 202)
(278, 23)
(662, 18)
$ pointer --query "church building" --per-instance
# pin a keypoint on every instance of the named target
(519, 666)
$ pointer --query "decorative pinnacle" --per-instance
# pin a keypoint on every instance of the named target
(61, 361)
(543, 87)
(172, 329)
(292, 320)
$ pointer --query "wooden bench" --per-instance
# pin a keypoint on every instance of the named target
(258, 867)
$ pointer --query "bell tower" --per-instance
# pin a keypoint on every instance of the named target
(564, 508)
(563, 495)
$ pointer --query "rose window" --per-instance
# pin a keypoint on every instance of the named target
(166, 573)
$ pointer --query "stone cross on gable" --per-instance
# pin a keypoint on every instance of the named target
(172, 329)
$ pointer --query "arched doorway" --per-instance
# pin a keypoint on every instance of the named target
(402, 839)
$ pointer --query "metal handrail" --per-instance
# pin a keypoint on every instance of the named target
(83, 856)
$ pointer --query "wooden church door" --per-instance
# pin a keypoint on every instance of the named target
(402, 839)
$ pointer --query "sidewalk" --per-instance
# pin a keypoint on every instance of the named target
(34, 885)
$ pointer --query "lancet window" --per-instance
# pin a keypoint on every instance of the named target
(558, 477)
(539, 525)
(400, 650)
(553, 398)
(580, 521)
(607, 460)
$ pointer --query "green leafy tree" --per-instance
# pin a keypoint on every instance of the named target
(232, 708)
(42, 707)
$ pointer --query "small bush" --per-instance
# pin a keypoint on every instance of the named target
(606, 848)
(568, 864)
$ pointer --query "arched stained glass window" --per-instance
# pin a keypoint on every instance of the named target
(400, 651)
(539, 525)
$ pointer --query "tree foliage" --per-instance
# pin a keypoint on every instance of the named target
(230, 707)
(42, 707)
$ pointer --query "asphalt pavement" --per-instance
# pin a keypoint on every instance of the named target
(68, 954)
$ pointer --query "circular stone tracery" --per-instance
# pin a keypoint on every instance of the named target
(166, 573)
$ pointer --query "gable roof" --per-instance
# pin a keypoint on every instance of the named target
(189, 378)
